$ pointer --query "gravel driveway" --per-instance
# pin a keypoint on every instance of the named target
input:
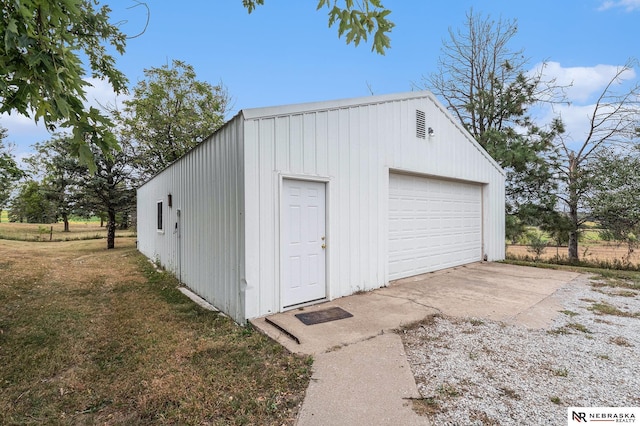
(474, 371)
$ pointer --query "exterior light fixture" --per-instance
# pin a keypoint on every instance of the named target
(431, 132)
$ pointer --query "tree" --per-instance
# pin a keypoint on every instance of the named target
(9, 171)
(614, 194)
(110, 188)
(170, 113)
(60, 172)
(70, 187)
(613, 122)
(484, 84)
(31, 205)
(41, 71)
(355, 19)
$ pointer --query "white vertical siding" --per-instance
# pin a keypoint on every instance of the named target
(229, 190)
(206, 186)
(352, 147)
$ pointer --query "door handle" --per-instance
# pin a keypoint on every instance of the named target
(324, 246)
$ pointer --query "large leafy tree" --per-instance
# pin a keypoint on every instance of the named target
(612, 124)
(10, 173)
(110, 188)
(32, 205)
(357, 20)
(483, 82)
(67, 186)
(170, 113)
(41, 70)
(613, 199)
(60, 172)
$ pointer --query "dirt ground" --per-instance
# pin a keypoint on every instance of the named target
(587, 252)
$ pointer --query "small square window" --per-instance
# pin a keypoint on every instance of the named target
(160, 216)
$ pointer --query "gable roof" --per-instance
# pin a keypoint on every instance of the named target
(274, 111)
(301, 108)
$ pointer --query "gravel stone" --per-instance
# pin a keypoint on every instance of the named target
(475, 371)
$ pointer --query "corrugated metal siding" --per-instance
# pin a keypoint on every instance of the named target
(229, 191)
(353, 147)
(207, 187)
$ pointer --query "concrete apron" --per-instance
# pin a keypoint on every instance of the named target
(361, 374)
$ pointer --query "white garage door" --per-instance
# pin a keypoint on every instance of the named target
(433, 224)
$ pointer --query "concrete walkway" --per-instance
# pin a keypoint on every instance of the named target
(360, 371)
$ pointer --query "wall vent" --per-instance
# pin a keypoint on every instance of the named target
(420, 128)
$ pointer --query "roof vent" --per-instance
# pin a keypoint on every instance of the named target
(420, 128)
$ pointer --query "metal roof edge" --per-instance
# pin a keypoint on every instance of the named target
(273, 111)
(252, 113)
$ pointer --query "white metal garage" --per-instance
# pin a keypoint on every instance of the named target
(292, 205)
(433, 224)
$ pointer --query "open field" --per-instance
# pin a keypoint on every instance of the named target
(96, 336)
(55, 232)
(589, 251)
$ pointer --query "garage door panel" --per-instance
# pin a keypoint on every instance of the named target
(433, 224)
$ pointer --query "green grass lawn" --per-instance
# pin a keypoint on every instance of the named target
(96, 336)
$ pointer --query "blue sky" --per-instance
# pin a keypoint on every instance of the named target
(284, 52)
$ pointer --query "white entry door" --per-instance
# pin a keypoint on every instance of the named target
(303, 242)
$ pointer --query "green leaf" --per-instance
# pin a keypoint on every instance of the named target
(12, 27)
(321, 4)
(86, 157)
(48, 81)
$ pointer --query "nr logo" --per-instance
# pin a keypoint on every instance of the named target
(579, 417)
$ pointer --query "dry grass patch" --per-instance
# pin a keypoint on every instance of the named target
(55, 231)
(589, 251)
(603, 308)
(426, 406)
(620, 341)
(92, 336)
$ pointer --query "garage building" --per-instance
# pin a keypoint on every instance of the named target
(293, 205)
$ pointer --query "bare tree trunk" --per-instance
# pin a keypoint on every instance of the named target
(65, 219)
(111, 229)
(573, 245)
(573, 209)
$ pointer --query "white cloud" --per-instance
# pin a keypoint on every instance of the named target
(587, 83)
(23, 132)
(628, 5)
(582, 83)
(575, 118)
(100, 95)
